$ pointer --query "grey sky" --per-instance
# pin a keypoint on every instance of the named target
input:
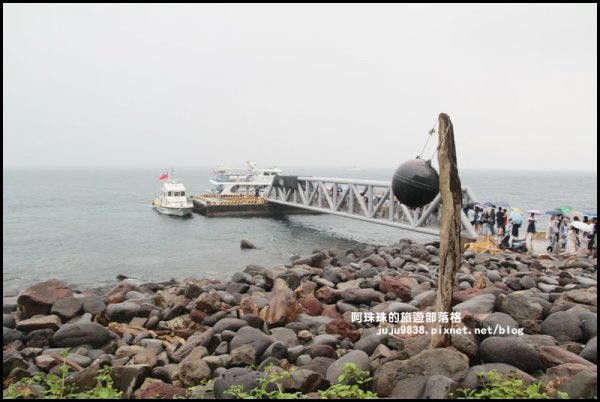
(326, 85)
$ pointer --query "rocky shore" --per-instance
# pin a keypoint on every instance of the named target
(161, 338)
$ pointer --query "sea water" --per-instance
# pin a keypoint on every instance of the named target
(85, 226)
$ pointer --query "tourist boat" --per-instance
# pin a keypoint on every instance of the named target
(172, 199)
(242, 181)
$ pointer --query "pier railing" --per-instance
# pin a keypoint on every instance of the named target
(366, 200)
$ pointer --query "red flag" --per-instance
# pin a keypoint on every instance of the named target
(163, 176)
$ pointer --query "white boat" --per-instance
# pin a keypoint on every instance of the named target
(172, 199)
(242, 181)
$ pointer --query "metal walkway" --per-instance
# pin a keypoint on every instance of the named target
(367, 200)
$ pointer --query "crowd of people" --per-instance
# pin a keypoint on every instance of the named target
(561, 233)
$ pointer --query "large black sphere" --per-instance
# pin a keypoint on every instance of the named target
(415, 183)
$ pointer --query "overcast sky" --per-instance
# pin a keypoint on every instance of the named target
(298, 85)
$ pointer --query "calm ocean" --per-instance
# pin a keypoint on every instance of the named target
(87, 226)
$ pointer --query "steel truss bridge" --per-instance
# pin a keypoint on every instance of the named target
(366, 200)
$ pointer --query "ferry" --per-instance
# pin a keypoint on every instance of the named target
(251, 180)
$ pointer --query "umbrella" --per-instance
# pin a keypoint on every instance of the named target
(590, 214)
(554, 212)
(516, 217)
(578, 214)
(535, 211)
(581, 226)
(517, 210)
(489, 204)
(502, 204)
(564, 208)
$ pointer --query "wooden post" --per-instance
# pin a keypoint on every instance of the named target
(450, 226)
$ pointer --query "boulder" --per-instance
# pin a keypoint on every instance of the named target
(41, 322)
(590, 351)
(510, 350)
(563, 326)
(67, 307)
(357, 357)
(406, 378)
(87, 333)
(246, 244)
(39, 298)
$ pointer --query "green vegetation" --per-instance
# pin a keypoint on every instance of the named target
(509, 386)
(52, 386)
(351, 385)
(261, 392)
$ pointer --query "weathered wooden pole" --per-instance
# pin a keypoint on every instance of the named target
(450, 226)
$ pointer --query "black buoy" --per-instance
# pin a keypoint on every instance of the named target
(415, 183)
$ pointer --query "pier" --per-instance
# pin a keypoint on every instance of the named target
(367, 200)
(242, 205)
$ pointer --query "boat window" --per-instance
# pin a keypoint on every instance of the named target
(234, 189)
(170, 193)
(183, 193)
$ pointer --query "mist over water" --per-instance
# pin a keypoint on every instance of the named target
(87, 226)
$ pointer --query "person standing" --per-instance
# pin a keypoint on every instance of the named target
(500, 221)
(572, 241)
(530, 232)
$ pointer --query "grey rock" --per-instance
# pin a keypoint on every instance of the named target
(84, 380)
(563, 326)
(285, 335)
(231, 324)
(242, 356)
(527, 282)
(276, 350)
(406, 378)
(253, 337)
(40, 338)
(501, 320)
(438, 387)
(93, 304)
(582, 385)
(246, 244)
(589, 322)
(510, 350)
(193, 369)
(241, 277)
(590, 351)
(319, 365)
(494, 276)
(91, 333)
(521, 307)
(473, 379)
(356, 357)
(294, 352)
(303, 360)
(481, 304)
(8, 308)
(243, 377)
(304, 381)
(129, 378)
(122, 312)
(198, 339)
(325, 339)
(8, 321)
(369, 343)
(83, 361)
(10, 335)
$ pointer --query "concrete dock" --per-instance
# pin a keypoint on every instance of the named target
(226, 205)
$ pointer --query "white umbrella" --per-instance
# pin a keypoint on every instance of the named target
(581, 226)
(535, 211)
